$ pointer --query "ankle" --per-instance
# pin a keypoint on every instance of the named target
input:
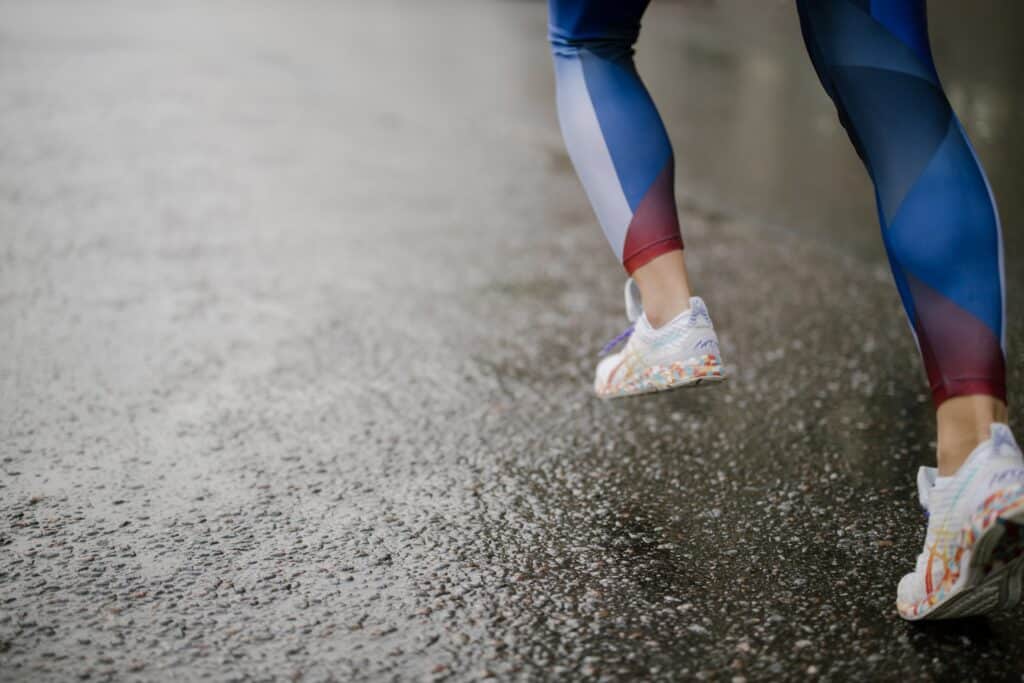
(664, 312)
(953, 451)
(964, 422)
(664, 287)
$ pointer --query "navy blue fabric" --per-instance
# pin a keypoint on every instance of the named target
(572, 22)
(633, 131)
(601, 34)
(938, 219)
(592, 43)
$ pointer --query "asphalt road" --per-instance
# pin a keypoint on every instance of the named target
(299, 308)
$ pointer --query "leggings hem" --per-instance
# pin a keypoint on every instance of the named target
(968, 386)
(642, 257)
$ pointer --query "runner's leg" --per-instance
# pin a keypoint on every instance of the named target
(938, 217)
(619, 146)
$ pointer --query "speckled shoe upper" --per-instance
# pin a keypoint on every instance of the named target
(683, 352)
(987, 490)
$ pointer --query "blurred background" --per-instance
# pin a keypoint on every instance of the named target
(299, 308)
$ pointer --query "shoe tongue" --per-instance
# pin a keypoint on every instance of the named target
(634, 309)
(925, 484)
(1002, 436)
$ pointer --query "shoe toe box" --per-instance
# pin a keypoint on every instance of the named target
(605, 368)
(910, 590)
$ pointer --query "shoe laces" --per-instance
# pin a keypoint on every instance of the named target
(619, 339)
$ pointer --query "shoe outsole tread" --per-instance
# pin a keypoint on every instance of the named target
(985, 587)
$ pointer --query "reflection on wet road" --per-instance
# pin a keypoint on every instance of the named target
(299, 304)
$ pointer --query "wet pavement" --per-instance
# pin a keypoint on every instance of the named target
(299, 304)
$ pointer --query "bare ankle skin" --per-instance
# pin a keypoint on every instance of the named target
(664, 287)
(964, 423)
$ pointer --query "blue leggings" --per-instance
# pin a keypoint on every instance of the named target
(938, 217)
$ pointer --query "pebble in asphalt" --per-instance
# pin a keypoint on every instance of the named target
(298, 311)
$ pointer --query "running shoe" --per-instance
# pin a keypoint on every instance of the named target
(973, 558)
(682, 353)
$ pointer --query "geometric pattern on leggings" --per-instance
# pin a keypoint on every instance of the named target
(612, 129)
(938, 218)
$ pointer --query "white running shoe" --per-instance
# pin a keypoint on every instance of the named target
(681, 353)
(973, 558)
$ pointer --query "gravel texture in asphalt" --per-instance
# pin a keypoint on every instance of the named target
(299, 308)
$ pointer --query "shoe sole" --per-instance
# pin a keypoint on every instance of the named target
(994, 578)
(690, 373)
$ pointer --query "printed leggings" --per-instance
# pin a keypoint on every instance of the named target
(938, 218)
